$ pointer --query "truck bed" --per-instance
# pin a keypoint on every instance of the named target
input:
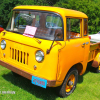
(94, 49)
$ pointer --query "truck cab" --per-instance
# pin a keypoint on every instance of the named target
(47, 45)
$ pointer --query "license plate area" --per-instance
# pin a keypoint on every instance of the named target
(39, 82)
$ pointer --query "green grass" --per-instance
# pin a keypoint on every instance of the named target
(87, 88)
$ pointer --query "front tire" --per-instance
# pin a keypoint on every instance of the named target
(69, 84)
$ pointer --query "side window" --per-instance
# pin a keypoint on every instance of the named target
(85, 27)
(73, 28)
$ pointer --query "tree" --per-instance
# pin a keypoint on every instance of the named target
(89, 7)
(6, 7)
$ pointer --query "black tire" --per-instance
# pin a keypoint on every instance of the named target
(15, 74)
(97, 70)
(93, 69)
(69, 83)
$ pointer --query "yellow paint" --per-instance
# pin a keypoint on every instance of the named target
(61, 11)
(64, 54)
(94, 52)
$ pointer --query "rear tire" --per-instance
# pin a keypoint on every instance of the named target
(69, 83)
(98, 70)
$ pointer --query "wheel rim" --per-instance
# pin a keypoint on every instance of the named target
(99, 68)
(70, 83)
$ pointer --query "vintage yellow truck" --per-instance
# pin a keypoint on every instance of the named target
(49, 46)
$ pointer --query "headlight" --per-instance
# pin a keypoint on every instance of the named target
(3, 44)
(39, 56)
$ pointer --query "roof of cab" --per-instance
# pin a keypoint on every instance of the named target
(61, 11)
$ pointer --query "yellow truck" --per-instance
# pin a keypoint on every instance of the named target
(49, 46)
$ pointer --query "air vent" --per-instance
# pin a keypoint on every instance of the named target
(19, 56)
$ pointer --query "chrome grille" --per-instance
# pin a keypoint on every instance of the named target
(19, 56)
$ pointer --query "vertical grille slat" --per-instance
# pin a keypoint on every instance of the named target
(19, 56)
(12, 53)
(15, 54)
(22, 57)
(26, 59)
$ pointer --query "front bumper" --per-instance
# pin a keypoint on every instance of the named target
(50, 83)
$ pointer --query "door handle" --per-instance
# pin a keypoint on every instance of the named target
(83, 44)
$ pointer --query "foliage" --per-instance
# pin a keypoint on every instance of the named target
(89, 7)
(6, 11)
(6, 7)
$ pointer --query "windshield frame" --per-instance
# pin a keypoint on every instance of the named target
(50, 12)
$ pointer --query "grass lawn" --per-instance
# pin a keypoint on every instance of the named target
(88, 88)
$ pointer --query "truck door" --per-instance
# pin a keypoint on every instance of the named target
(77, 46)
(75, 43)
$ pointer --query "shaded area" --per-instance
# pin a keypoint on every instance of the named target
(25, 84)
(88, 69)
(41, 93)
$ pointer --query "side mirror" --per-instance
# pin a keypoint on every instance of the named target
(58, 33)
(1, 29)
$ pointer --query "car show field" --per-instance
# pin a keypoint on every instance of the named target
(86, 90)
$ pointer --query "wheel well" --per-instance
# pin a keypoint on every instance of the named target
(79, 67)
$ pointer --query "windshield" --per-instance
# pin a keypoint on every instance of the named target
(45, 23)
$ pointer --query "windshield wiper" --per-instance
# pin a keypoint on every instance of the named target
(58, 33)
(14, 31)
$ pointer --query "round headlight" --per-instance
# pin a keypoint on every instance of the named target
(39, 56)
(3, 44)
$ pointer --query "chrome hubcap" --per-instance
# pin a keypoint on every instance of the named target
(70, 83)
